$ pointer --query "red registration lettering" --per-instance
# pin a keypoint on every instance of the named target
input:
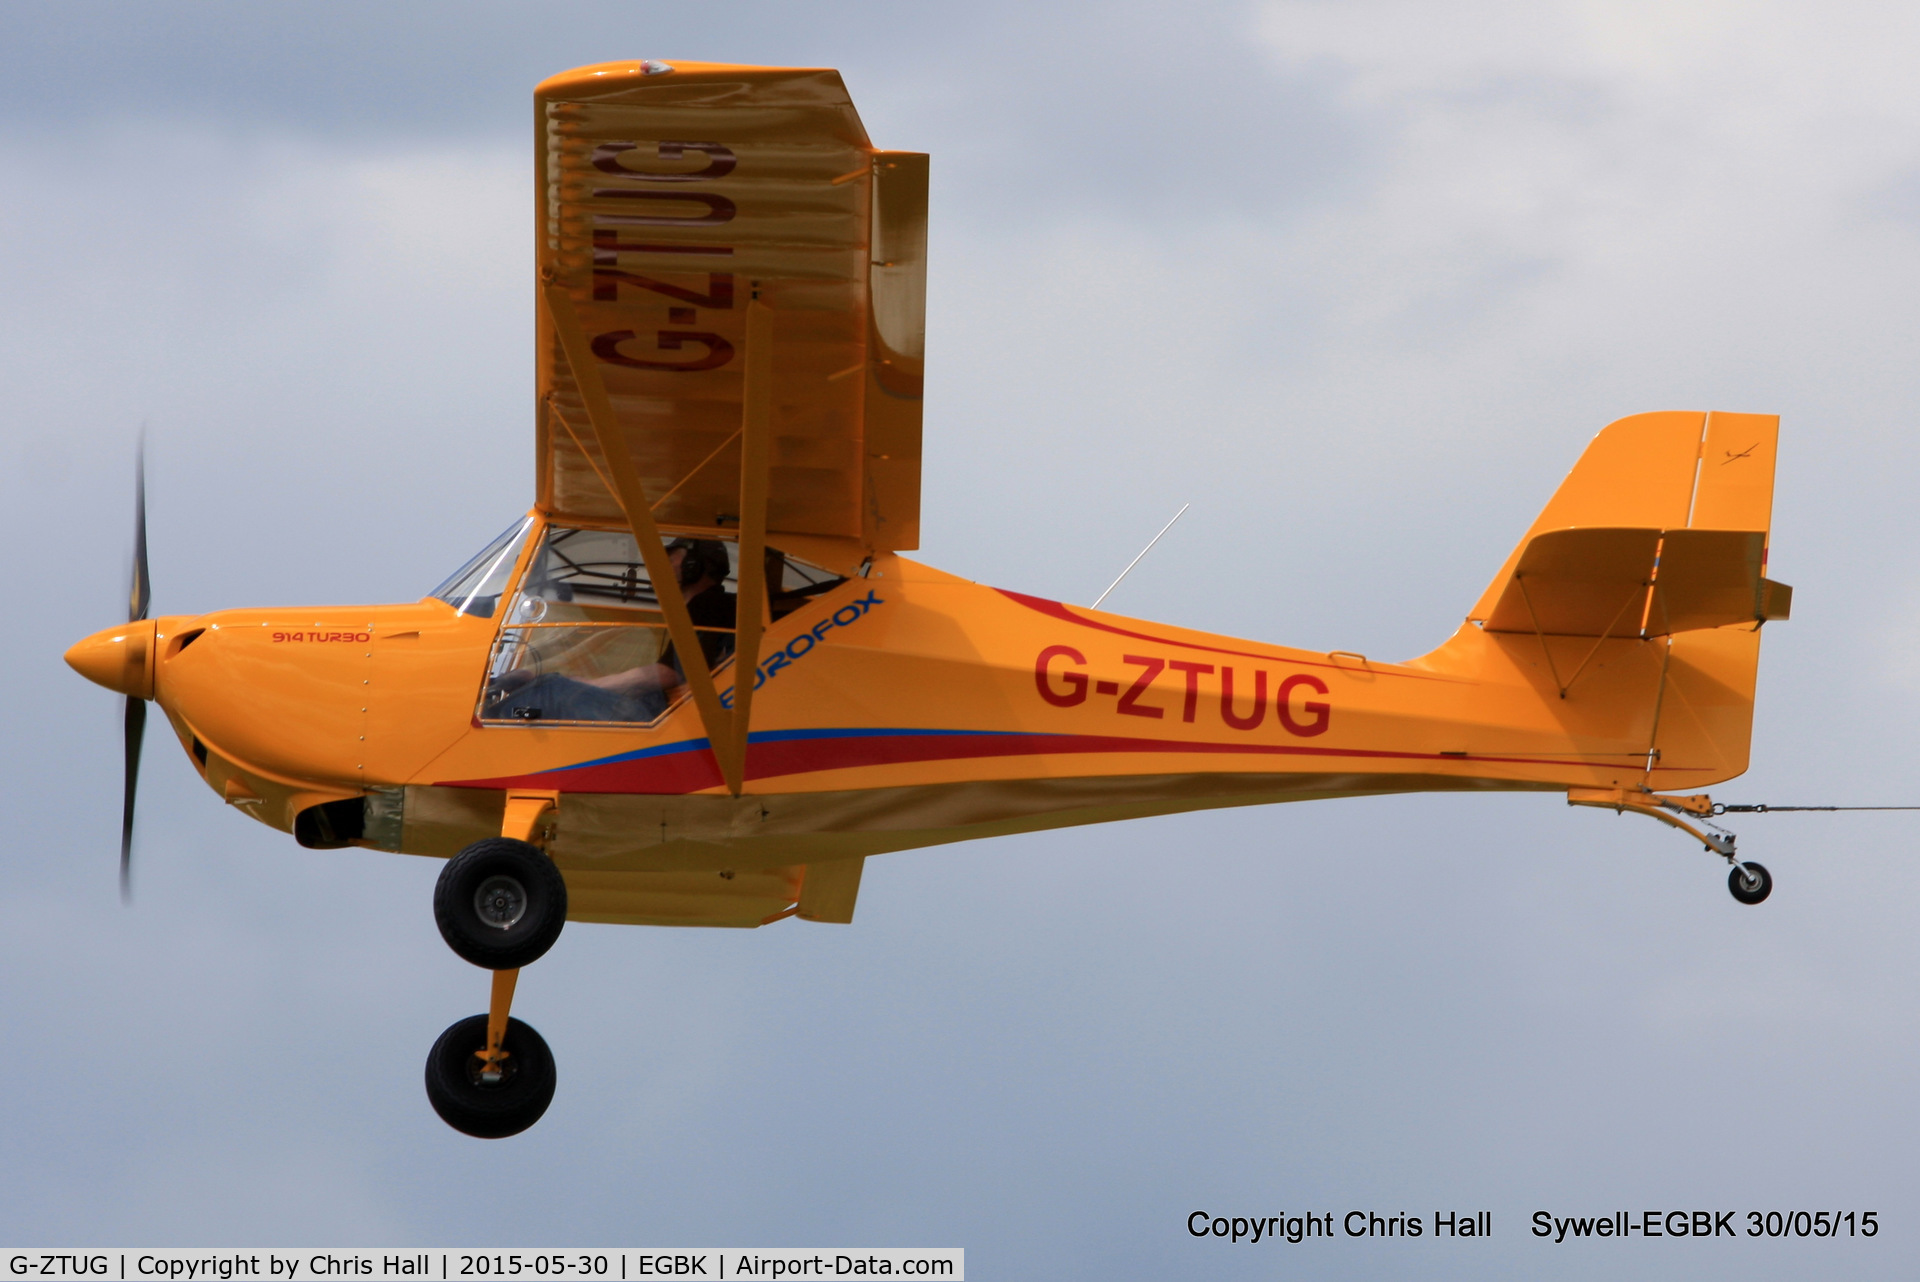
(1193, 671)
(607, 248)
(719, 208)
(1227, 713)
(1318, 714)
(607, 282)
(1130, 701)
(719, 350)
(720, 161)
(1075, 682)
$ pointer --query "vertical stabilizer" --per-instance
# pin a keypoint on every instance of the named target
(1637, 473)
(1687, 496)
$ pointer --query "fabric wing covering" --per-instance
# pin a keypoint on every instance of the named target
(668, 196)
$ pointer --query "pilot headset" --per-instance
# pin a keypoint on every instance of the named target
(705, 557)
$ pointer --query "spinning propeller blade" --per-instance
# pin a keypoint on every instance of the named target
(136, 718)
(142, 591)
(136, 730)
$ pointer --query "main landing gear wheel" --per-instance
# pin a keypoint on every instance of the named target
(485, 1104)
(1750, 882)
(500, 903)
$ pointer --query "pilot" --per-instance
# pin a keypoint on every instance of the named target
(642, 693)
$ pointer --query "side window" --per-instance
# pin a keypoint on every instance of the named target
(584, 639)
(792, 583)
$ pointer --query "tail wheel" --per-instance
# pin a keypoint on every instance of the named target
(1750, 882)
(500, 903)
(485, 1105)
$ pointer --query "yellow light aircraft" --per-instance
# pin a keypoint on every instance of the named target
(697, 684)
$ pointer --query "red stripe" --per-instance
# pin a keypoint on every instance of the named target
(1055, 610)
(695, 771)
(675, 774)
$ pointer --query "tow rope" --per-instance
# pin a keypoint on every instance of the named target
(1719, 809)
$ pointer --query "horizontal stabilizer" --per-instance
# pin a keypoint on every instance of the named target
(1599, 582)
(1579, 583)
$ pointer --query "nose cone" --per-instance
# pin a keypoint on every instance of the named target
(121, 658)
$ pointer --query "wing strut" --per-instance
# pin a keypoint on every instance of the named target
(627, 488)
(751, 599)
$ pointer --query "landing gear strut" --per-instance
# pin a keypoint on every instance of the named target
(500, 904)
(1749, 882)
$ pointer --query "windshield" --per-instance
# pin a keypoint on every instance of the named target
(475, 587)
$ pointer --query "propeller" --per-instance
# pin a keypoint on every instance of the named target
(136, 718)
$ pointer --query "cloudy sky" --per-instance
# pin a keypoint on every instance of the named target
(1357, 280)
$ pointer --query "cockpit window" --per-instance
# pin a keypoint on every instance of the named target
(596, 568)
(791, 583)
(585, 641)
(475, 587)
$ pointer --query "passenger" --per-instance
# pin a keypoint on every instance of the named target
(702, 566)
(642, 693)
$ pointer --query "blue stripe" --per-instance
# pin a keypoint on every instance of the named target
(784, 736)
(781, 736)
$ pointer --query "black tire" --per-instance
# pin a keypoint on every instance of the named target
(489, 1111)
(527, 903)
(1750, 894)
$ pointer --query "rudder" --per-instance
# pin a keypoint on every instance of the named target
(1706, 711)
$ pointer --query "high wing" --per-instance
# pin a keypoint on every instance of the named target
(669, 197)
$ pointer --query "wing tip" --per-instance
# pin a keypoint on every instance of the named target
(601, 78)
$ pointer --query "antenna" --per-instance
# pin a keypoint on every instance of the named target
(1136, 560)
